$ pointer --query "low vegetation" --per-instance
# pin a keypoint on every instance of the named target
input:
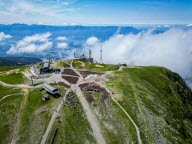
(36, 84)
(24, 115)
(61, 64)
(72, 124)
(36, 115)
(94, 66)
(9, 110)
(115, 125)
(159, 102)
(13, 75)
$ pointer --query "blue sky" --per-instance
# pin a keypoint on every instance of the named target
(96, 12)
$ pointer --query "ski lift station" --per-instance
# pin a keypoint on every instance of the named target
(50, 89)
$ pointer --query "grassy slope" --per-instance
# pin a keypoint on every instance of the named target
(158, 101)
(113, 121)
(61, 64)
(74, 127)
(36, 116)
(94, 66)
(8, 75)
(9, 108)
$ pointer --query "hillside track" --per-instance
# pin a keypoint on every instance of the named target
(55, 78)
(90, 115)
(132, 121)
(9, 96)
(141, 110)
(19, 85)
(53, 118)
(16, 129)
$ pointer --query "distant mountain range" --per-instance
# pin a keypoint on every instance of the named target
(76, 37)
(18, 61)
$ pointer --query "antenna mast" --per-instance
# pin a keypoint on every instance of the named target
(89, 53)
(101, 57)
(74, 55)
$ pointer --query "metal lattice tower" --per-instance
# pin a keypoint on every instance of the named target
(50, 59)
(74, 55)
(101, 55)
(89, 53)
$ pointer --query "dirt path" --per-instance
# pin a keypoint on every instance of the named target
(9, 96)
(53, 119)
(16, 129)
(19, 85)
(132, 121)
(136, 127)
(141, 111)
(54, 78)
(90, 115)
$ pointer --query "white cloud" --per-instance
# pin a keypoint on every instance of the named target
(61, 38)
(62, 45)
(32, 44)
(66, 3)
(4, 36)
(189, 25)
(171, 49)
(92, 40)
(33, 12)
(167, 26)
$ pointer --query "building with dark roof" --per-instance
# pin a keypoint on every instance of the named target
(84, 58)
(46, 65)
(45, 68)
(50, 89)
(45, 97)
(55, 69)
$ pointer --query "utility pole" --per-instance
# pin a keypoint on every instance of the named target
(101, 57)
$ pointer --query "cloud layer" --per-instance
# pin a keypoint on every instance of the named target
(171, 49)
(92, 41)
(61, 38)
(62, 45)
(4, 36)
(50, 12)
(31, 44)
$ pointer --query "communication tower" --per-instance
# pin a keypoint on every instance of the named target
(101, 55)
(89, 53)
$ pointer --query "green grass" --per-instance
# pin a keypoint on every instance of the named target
(115, 125)
(40, 65)
(9, 108)
(74, 127)
(94, 66)
(14, 77)
(63, 64)
(36, 84)
(36, 116)
(158, 101)
(5, 68)
(9, 68)
(7, 91)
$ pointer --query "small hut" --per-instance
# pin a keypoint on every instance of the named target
(45, 97)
